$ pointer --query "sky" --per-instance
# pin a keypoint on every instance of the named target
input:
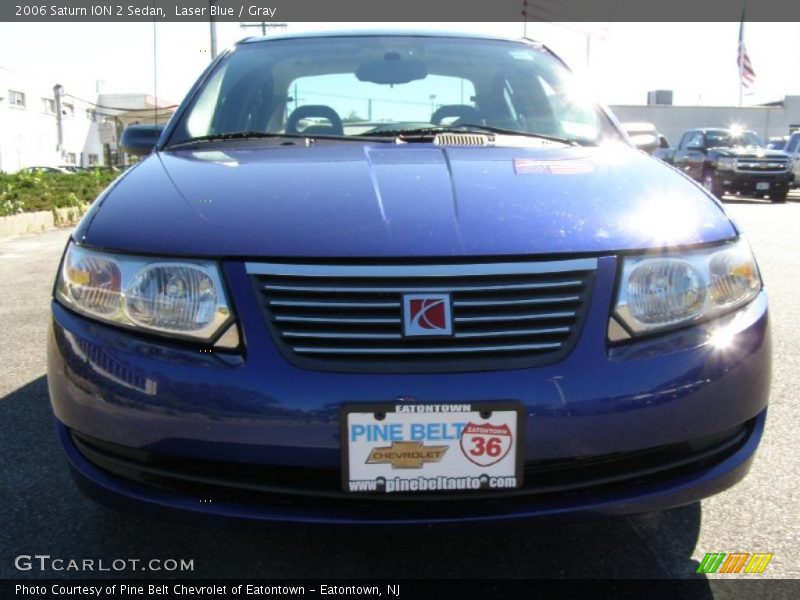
(620, 62)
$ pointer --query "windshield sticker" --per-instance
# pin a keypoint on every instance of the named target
(521, 54)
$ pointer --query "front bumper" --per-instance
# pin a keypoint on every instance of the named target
(747, 183)
(679, 418)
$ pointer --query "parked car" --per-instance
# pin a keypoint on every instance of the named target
(733, 161)
(644, 135)
(511, 314)
(777, 143)
(44, 169)
(664, 151)
(793, 150)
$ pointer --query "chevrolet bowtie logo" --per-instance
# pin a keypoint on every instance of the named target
(406, 455)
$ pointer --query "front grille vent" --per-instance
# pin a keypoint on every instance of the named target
(351, 317)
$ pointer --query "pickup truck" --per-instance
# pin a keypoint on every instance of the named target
(736, 162)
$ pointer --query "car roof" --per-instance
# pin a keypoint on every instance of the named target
(715, 130)
(381, 33)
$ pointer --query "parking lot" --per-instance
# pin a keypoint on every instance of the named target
(41, 512)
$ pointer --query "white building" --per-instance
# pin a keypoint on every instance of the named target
(769, 120)
(29, 124)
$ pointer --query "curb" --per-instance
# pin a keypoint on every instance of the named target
(41, 221)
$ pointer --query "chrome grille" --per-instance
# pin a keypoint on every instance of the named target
(350, 317)
(760, 165)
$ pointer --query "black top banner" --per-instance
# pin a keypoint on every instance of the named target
(397, 10)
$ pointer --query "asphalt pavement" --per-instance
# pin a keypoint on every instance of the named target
(41, 511)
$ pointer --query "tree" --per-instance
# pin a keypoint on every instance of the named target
(353, 117)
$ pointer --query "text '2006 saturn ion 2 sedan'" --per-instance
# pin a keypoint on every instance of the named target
(403, 278)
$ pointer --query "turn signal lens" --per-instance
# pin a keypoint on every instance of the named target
(92, 282)
(733, 277)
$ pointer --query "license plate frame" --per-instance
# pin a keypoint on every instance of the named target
(503, 412)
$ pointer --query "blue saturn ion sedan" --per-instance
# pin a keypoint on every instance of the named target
(403, 277)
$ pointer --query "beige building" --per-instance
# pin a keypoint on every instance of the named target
(770, 120)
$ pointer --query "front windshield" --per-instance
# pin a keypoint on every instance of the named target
(726, 139)
(353, 86)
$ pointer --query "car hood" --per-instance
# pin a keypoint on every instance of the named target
(750, 152)
(380, 200)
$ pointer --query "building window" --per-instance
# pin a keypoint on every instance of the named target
(92, 159)
(91, 114)
(71, 158)
(49, 106)
(69, 110)
(16, 99)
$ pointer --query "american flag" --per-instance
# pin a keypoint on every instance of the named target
(746, 72)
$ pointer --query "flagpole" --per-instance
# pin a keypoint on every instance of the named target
(741, 84)
(740, 53)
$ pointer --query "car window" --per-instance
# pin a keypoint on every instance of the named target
(695, 140)
(724, 139)
(361, 105)
(794, 142)
(345, 86)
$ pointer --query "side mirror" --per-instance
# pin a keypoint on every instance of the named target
(140, 139)
(643, 135)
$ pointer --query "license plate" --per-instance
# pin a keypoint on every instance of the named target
(431, 448)
(762, 185)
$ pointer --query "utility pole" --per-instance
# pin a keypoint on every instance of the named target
(155, 74)
(588, 50)
(58, 93)
(212, 23)
(524, 20)
(263, 25)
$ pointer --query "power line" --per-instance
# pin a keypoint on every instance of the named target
(415, 102)
(120, 108)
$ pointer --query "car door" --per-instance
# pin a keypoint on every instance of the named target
(694, 157)
(679, 156)
(690, 153)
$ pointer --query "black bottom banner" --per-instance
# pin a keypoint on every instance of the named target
(616, 589)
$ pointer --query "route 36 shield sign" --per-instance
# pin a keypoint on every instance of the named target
(486, 444)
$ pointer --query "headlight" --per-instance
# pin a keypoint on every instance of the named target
(179, 299)
(726, 164)
(671, 290)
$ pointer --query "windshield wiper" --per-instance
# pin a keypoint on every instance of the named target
(466, 128)
(251, 135)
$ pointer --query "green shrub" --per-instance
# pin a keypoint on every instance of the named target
(30, 192)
